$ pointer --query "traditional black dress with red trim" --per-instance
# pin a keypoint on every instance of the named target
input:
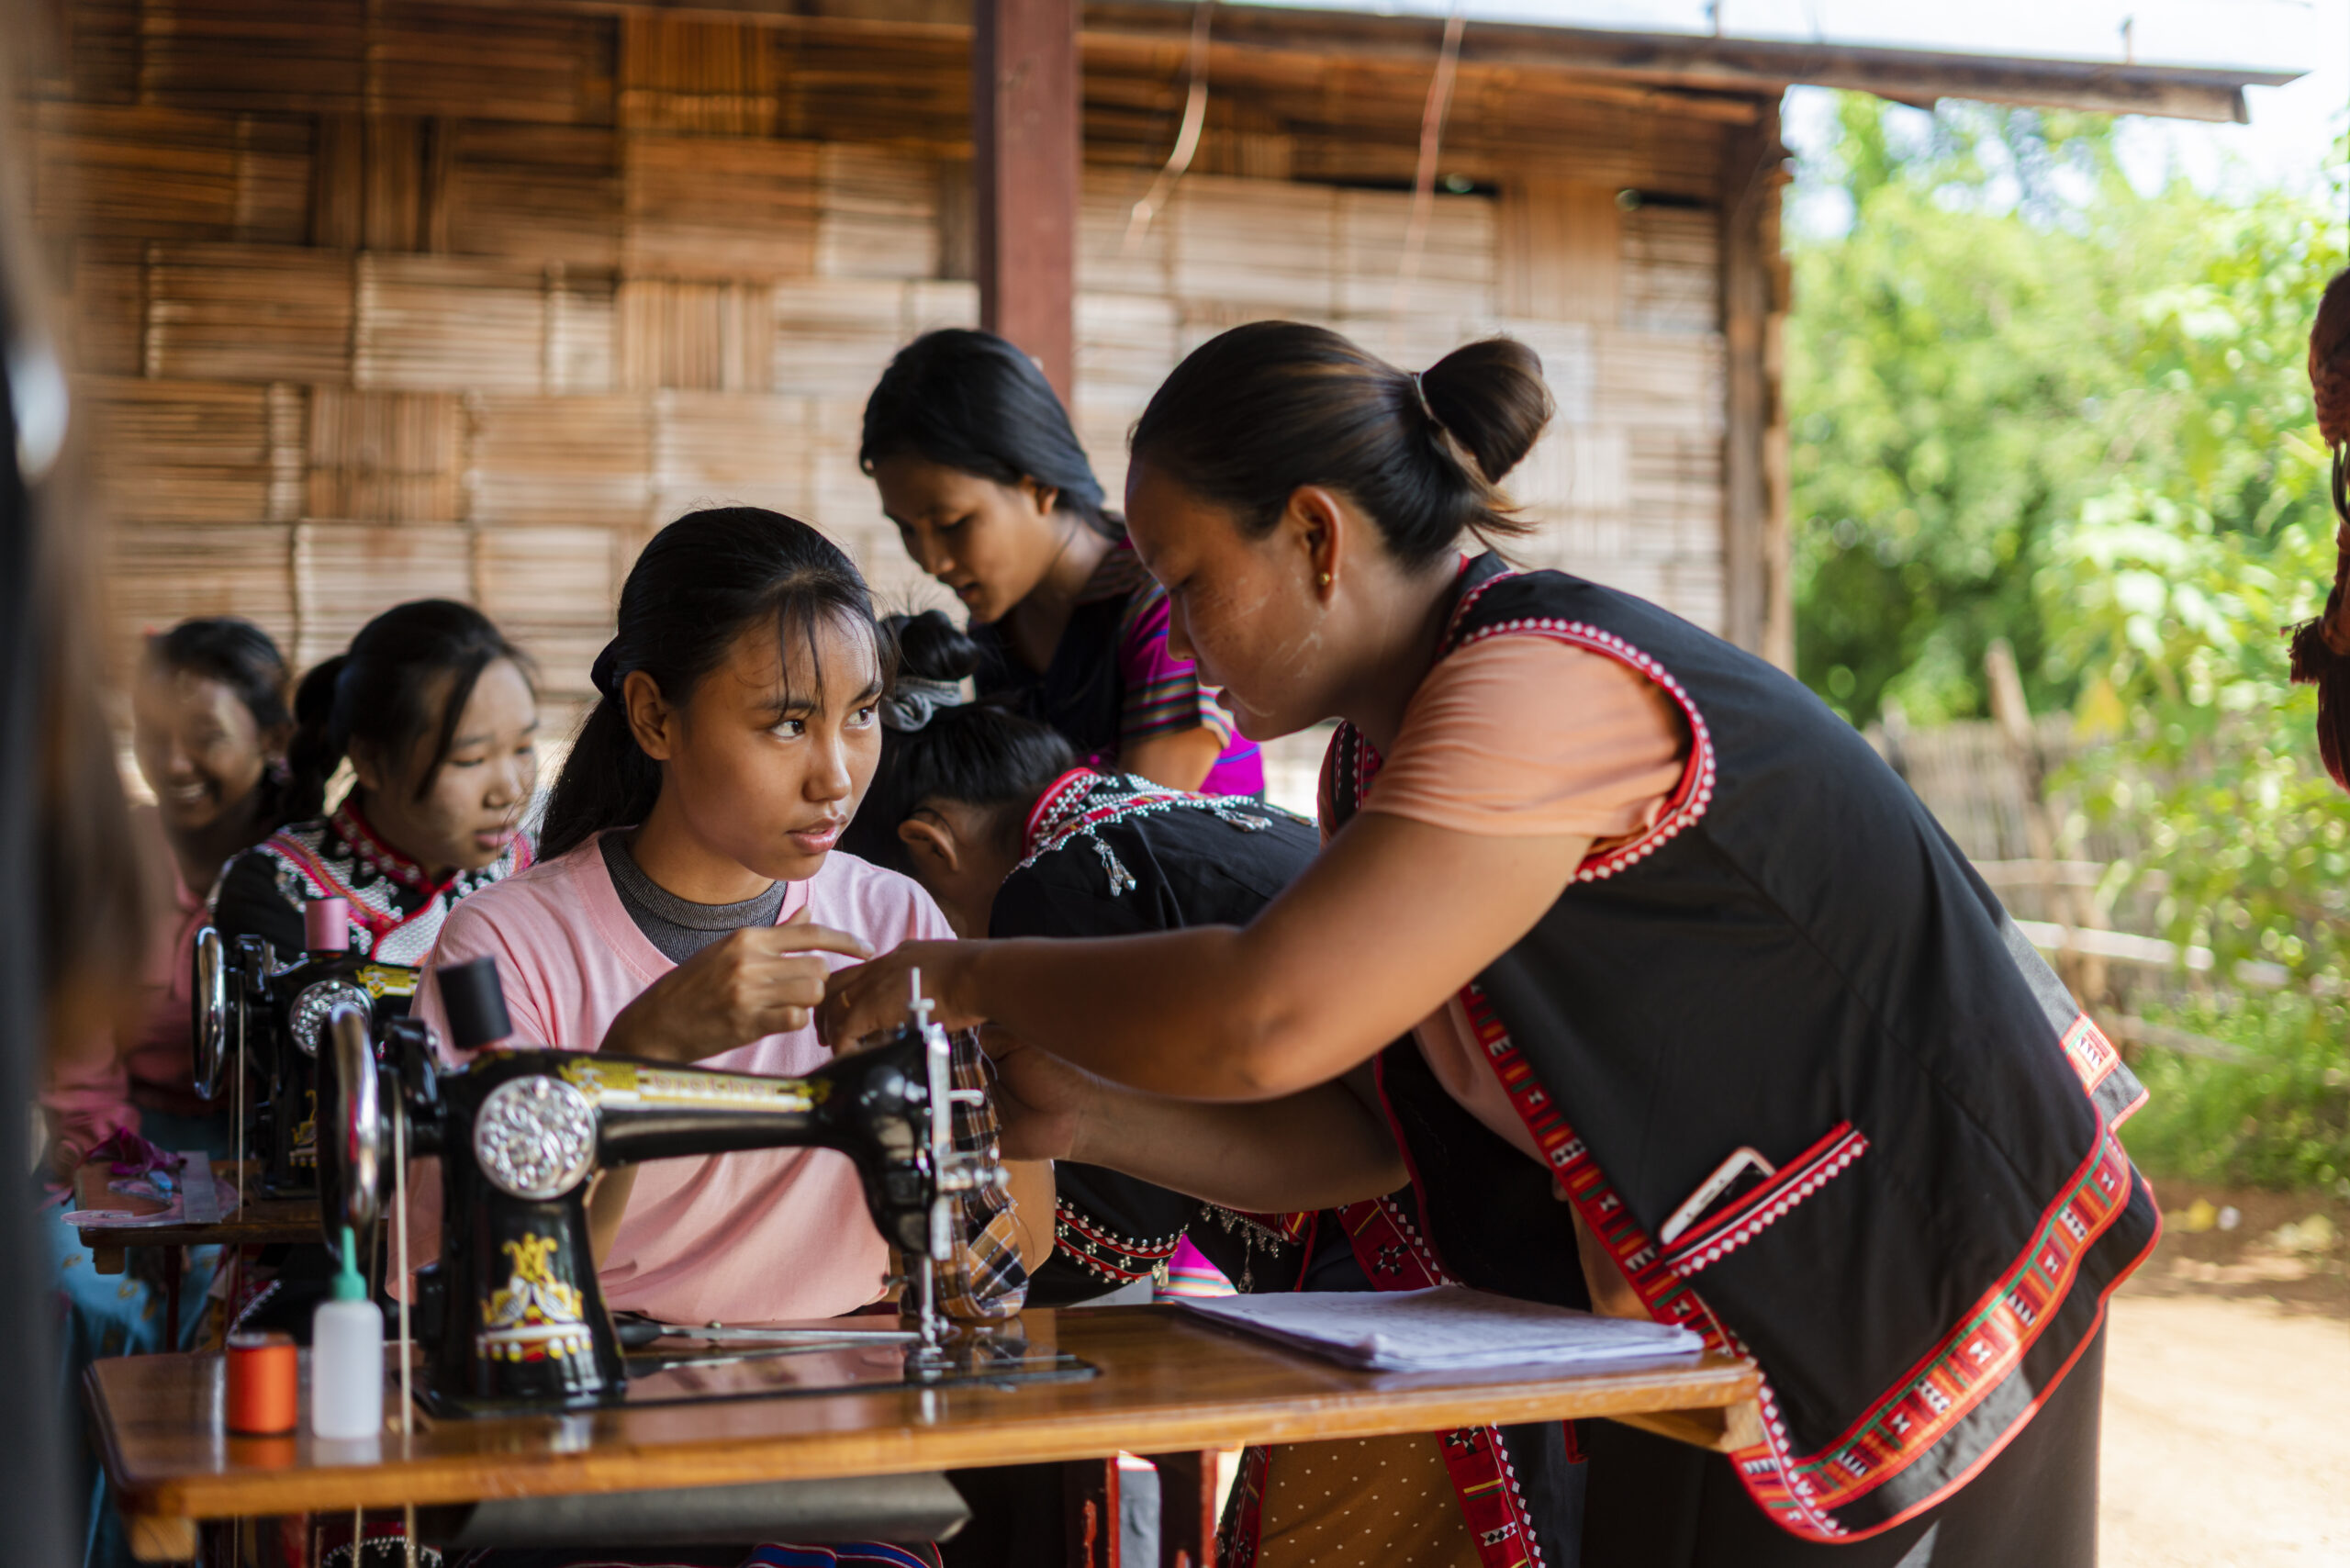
(1115, 855)
(1110, 854)
(1796, 960)
(395, 909)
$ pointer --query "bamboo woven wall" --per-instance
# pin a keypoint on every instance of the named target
(373, 299)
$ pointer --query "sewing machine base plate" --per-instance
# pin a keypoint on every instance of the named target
(686, 1377)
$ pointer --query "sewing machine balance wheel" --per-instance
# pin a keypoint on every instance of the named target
(355, 1143)
(209, 1005)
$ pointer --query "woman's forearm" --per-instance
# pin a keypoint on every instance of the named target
(1395, 916)
(1034, 1198)
(1315, 1150)
(1189, 1006)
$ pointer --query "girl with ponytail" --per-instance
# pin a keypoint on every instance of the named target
(692, 899)
(435, 712)
(978, 468)
(1666, 994)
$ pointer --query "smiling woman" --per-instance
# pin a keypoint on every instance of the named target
(434, 710)
(209, 728)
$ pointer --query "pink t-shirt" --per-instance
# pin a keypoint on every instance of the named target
(743, 1238)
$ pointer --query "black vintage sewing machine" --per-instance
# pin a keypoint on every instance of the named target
(274, 1015)
(511, 1313)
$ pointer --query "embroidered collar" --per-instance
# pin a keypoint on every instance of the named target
(1081, 801)
(378, 856)
(1062, 799)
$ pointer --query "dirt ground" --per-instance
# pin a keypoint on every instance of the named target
(2227, 1393)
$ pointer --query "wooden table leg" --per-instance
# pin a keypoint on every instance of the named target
(171, 1259)
(1186, 1508)
(1090, 1505)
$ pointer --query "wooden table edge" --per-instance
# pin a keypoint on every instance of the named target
(907, 1448)
(263, 1232)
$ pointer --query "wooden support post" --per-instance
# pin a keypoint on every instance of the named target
(175, 1261)
(1718, 1430)
(1186, 1508)
(1026, 146)
(1758, 609)
(1089, 1512)
(155, 1539)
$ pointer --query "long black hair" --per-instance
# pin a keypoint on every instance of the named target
(972, 402)
(1254, 414)
(240, 656)
(974, 753)
(699, 585)
(380, 692)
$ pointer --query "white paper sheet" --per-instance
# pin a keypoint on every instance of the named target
(1447, 1329)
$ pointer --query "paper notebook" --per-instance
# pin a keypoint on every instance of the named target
(1447, 1329)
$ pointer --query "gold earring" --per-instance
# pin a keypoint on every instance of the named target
(1323, 581)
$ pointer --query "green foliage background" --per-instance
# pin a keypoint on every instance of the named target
(2028, 401)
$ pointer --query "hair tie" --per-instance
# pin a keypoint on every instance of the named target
(913, 702)
(1420, 391)
(599, 673)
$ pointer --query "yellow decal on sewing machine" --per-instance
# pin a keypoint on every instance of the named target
(380, 980)
(304, 1154)
(611, 1082)
(535, 1315)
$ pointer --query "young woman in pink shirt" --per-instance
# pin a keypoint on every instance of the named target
(689, 904)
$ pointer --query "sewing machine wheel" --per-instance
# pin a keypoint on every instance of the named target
(306, 1019)
(535, 1137)
(354, 1132)
(211, 1019)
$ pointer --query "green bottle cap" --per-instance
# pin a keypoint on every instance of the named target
(348, 1285)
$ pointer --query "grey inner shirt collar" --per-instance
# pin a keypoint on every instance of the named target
(679, 927)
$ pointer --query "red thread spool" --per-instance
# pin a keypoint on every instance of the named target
(265, 1382)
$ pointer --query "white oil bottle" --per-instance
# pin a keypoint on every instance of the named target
(347, 1356)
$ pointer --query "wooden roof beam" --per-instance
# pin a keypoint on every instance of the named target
(1725, 65)
(1683, 62)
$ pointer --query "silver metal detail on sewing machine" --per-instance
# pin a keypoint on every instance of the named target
(307, 1019)
(953, 1172)
(211, 1012)
(535, 1137)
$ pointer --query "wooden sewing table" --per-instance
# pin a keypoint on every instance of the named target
(256, 1222)
(1171, 1386)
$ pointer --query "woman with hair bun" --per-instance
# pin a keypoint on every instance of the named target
(1705, 1019)
(435, 711)
(978, 468)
